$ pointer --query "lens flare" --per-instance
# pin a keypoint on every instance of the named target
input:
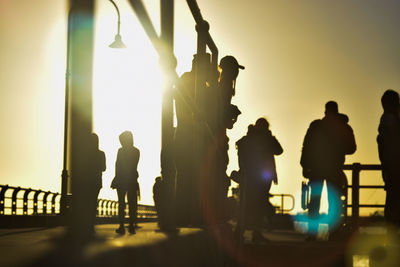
(333, 218)
(376, 244)
(266, 175)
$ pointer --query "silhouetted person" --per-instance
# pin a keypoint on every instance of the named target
(224, 115)
(256, 153)
(325, 145)
(389, 154)
(183, 143)
(227, 89)
(125, 180)
(98, 166)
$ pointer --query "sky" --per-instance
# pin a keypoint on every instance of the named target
(298, 55)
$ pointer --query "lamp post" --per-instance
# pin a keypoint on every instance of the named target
(65, 174)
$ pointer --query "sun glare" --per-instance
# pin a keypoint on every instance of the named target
(126, 96)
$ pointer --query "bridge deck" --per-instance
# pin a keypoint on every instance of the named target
(149, 247)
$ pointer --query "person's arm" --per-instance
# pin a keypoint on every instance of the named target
(389, 140)
(138, 191)
(103, 161)
(118, 163)
(115, 181)
(351, 146)
(307, 142)
(276, 146)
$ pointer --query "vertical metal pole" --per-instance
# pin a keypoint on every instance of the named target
(167, 131)
(64, 174)
(81, 66)
(355, 197)
(198, 133)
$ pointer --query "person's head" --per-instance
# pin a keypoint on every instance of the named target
(126, 139)
(95, 140)
(194, 62)
(250, 129)
(158, 179)
(234, 112)
(262, 124)
(390, 101)
(230, 67)
(331, 108)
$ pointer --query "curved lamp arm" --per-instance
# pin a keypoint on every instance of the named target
(118, 39)
(119, 16)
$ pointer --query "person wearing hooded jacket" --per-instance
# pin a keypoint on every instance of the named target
(125, 180)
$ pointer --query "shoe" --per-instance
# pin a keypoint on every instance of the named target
(120, 230)
(131, 229)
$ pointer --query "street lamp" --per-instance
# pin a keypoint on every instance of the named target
(118, 39)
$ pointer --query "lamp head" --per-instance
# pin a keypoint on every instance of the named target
(117, 42)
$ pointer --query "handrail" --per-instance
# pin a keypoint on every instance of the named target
(355, 186)
(282, 207)
(10, 204)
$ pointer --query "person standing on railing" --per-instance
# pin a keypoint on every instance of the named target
(389, 154)
(325, 145)
(256, 153)
(125, 181)
(98, 166)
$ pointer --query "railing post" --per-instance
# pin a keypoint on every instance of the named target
(46, 194)
(35, 201)
(355, 194)
(53, 203)
(14, 200)
(2, 198)
(25, 201)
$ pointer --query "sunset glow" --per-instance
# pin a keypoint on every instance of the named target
(297, 55)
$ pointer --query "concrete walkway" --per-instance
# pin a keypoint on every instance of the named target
(190, 247)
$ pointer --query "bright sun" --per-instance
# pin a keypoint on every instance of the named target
(126, 96)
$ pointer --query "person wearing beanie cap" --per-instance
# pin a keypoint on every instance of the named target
(325, 145)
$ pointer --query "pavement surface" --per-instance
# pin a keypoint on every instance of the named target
(188, 247)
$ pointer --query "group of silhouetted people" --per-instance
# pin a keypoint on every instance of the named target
(326, 143)
(125, 180)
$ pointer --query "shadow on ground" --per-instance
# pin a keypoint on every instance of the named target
(193, 248)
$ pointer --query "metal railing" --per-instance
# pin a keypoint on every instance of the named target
(27, 201)
(355, 186)
(281, 209)
(109, 208)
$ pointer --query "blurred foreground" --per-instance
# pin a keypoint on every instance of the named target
(370, 246)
